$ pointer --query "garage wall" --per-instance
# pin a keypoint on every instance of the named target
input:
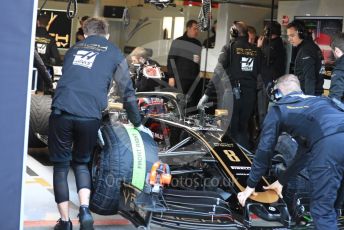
(83, 9)
(310, 8)
(151, 36)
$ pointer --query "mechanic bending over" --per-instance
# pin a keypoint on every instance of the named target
(317, 124)
(241, 61)
(80, 97)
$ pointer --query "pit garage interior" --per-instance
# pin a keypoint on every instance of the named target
(147, 24)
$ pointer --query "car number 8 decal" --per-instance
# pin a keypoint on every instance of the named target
(231, 155)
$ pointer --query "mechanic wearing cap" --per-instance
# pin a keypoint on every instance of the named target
(273, 63)
(308, 59)
(317, 124)
(240, 60)
(80, 97)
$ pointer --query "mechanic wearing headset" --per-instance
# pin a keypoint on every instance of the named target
(241, 62)
(273, 63)
(317, 124)
(81, 95)
(308, 59)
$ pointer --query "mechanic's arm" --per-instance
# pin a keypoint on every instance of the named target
(42, 70)
(223, 63)
(298, 163)
(309, 72)
(337, 85)
(123, 80)
(171, 64)
(264, 154)
(55, 53)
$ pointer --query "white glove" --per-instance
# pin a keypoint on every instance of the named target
(242, 196)
(144, 129)
(202, 101)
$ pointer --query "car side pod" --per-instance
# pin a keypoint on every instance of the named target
(267, 215)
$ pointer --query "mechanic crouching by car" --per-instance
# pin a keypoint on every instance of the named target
(240, 60)
(80, 97)
(317, 124)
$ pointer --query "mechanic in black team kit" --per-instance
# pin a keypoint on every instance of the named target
(308, 59)
(81, 95)
(317, 124)
(241, 62)
(183, 63)
(46, 47)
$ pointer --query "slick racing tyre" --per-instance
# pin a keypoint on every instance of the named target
(39, 119)
(127, 156)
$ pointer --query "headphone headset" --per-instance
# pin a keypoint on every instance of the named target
(272, 28)
(274, 94)
(234, 32)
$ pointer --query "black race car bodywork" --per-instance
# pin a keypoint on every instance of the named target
(208, 169)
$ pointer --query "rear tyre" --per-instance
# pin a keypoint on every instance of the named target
(39, 119)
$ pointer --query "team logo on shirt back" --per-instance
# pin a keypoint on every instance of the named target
(41, 48)
(85, 58)
(247, 64)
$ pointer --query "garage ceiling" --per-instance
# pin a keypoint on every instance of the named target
(261, 3)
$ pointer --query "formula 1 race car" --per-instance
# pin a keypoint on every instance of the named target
(187, 177)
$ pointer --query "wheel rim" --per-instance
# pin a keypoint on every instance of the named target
(95, 167)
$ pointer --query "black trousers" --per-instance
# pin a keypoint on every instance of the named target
(242, 111)
(71, 137)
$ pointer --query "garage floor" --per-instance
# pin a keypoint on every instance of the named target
(40, 210)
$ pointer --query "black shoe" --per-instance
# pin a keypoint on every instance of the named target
(85, 219)
(63, 225)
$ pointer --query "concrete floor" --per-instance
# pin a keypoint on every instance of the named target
(40, 210)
